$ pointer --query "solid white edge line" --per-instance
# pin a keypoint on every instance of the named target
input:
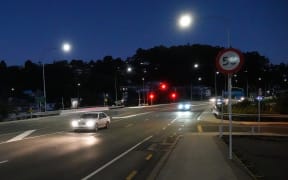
(115, 159)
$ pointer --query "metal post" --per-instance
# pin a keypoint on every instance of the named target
(215, 84)
(139, 98)
(116, 98)
(62, 103)
(191, 91)
(143, 91)
(259, 107)
(221, 125)
(230, 114)
(44, 86)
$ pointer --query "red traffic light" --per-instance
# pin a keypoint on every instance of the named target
(163, 86)
(151, 96)
(173, 95)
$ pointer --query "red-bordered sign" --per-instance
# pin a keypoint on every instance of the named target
(229, 61)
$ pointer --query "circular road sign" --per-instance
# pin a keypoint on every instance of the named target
(229, 61)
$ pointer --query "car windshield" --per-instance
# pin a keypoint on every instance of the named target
(87, 116)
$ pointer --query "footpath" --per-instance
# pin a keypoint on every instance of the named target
(199, 156)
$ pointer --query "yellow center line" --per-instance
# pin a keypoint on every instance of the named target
(131, 175)
(199, 128)
(148, 157)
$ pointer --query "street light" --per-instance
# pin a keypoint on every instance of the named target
(78, 86)
(215, 82)
(143, 79)
(185, 21)
(66, 47)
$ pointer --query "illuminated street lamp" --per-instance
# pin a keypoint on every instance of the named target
(66, 47)
(129, 69)
(185, 21)
(78, 86)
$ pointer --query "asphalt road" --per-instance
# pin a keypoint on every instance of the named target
(46, 148)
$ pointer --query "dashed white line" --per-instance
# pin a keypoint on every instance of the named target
(21, 136)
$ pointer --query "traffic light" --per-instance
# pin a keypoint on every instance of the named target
(151, 97)
(173, 96)
(163, 86)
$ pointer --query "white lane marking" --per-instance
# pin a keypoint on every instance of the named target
(129, 116)
(173, 120)
(21, 136)
(115, 159)
(37, 136)
(129, 125)
(2, 162)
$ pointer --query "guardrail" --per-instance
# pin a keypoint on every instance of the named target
(253, 117)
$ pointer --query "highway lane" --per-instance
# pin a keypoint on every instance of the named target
(61, 154)
(137, 139)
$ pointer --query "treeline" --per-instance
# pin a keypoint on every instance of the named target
(91, 80)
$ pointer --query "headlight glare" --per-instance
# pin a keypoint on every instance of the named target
(90, 123)
(74, 123)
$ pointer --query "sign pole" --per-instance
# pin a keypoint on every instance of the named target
(229, 61)
(259, 107)
(230, 114)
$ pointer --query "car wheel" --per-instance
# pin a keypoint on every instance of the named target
(107, 125)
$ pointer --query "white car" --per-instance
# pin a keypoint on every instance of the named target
(91, 121)
(186, 106)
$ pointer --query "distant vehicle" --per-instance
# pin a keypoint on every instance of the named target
(218, 100)
(184, 106)
(91, 121)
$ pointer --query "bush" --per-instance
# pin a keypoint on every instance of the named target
(3, 111)
(282, 104)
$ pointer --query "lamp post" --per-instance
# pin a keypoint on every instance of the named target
(78, 94)
(143, 79)
(215, 83)
(66, 47)
(44, 87)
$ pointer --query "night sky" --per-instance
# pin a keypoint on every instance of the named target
(35, 29)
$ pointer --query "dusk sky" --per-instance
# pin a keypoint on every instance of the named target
(35, 29)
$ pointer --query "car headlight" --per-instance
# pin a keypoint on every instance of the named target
(180, 106)
(74, 123)
(187, 106)
(90, 123)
